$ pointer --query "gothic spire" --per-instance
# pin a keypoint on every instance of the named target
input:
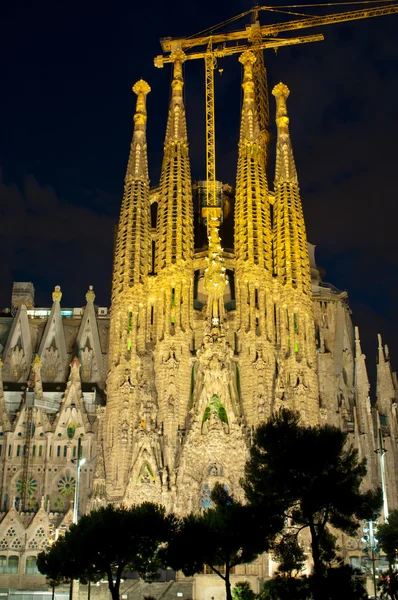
(132, 256)
(252, 214)
(291, 262)
(175, 212)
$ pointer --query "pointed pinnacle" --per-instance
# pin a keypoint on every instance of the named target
(57, 294)
(141, 87)
(281, 90)
(90, 295)
(247, 57)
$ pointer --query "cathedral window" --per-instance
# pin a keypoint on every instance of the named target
(3, 564)
(205, 497)
(146, 474)
(58, 450)
(70, 431)
(130, 326)
(13, 564)
(65, 451)
(295, 322)
(173, 298)
(67, 485)
(34, 451)
(40, 450)
(1, 448)
(74, 452)
(9, 450)
(216, 407)
(296, 347)
(238, 382)
(31, 566)
(192, 386)
(51, 451)
(18, 450)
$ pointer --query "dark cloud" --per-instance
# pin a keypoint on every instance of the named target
(51, 242)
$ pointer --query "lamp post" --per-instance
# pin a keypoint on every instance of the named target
(79, 462)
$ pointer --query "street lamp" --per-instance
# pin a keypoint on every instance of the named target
(79, 462)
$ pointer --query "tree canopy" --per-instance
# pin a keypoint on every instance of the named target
(312, 477)
(107, 542)
(223, 536)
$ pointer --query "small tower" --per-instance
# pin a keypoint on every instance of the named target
(294, 319)
(129, 289)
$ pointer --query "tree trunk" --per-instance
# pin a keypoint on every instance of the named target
(114, 585)
(227, 583)
(318, 565)
(115, 590)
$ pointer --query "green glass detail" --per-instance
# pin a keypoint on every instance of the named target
(215, 406)
(59, 503)
(31, 486)
(146, 474)
(129, 344)
(70, 431)
(192, 386)
(295, 322)
(67, 485)
(238, 382)
(173, 320)
(206, 414)
(296, 346)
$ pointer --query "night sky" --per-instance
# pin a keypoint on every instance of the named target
(66, 111)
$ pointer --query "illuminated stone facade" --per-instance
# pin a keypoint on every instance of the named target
(200, 346)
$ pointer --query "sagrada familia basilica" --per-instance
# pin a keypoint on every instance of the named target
(201, 344)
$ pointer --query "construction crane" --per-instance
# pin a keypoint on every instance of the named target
(253, 35)
(212, 212)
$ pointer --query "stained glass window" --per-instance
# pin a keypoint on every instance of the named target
(205, 497)
(67, 485)
(70, 431)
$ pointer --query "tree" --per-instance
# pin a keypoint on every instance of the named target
(387, 535)
(243, 591)
(288, 553)
(107, 542)
(223, 536)
(310, 475)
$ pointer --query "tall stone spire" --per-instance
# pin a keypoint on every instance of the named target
(291, 261)
(175, 213)
(132, 248)
(174, 228)
(252, 215)
(294, 318)
(253, 252)
(173, 286)
(129, 303)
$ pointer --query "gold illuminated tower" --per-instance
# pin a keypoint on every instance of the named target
(128, 316)
(173, 285)
(294, 318)
(253, 255)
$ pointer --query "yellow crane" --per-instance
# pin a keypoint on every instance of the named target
(254, 35)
